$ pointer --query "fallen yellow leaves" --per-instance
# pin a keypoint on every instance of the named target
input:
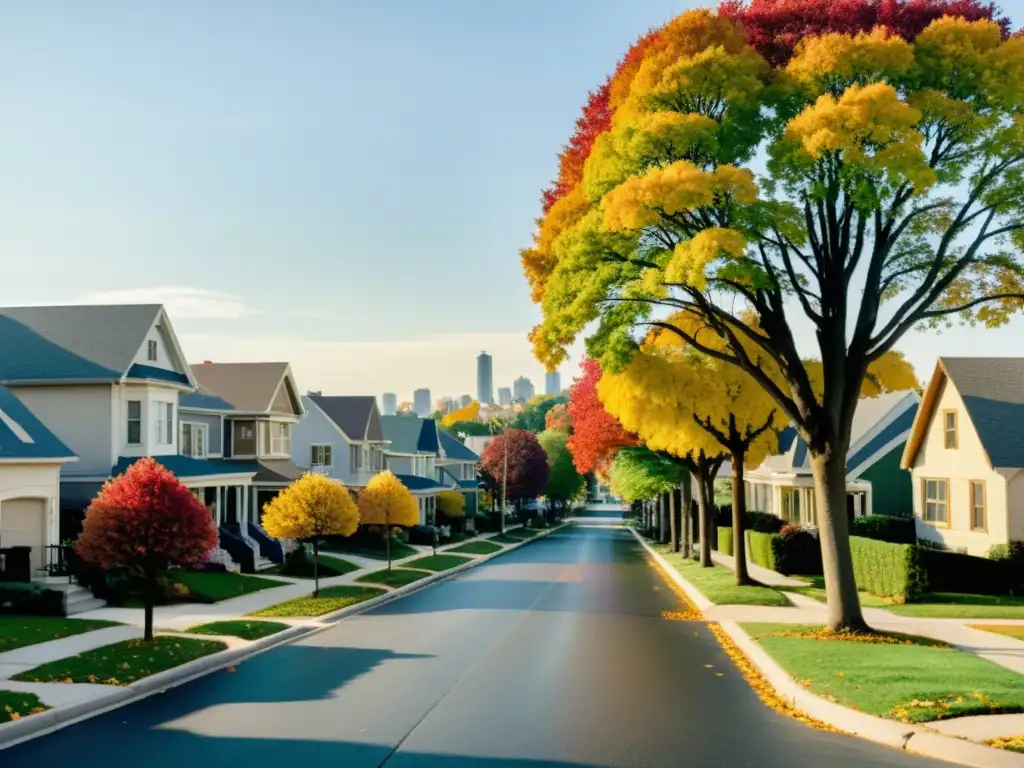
(848, 636)
(1013, 743)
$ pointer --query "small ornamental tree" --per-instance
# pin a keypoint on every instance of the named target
(564, 482)
(596, 434)
(312, 507)
(385, 501)
(527, 474)
(451, 504)
(145, 521)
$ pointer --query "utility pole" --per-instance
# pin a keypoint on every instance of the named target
(504, 476)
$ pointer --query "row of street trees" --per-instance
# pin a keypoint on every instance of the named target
(774, 172)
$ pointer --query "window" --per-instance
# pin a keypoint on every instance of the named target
(320, 456)
(376, 459)
(791, 505)
(134, 422)
(978, 521)
(276, 438)
(356, 457)
(243, 438)
(949, 429)
(193, 439)
(936, 501)
(431, 513)
(151, 350)
(163, 423)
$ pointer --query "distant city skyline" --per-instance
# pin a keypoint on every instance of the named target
(552, 383)
(485, 378)
(421, 404)
(523, 389)
(504, 395)
(389, 404)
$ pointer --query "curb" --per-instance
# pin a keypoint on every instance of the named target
(32, 726)
(695, 595)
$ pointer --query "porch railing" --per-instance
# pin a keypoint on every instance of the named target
(269, 548)
(238, 548)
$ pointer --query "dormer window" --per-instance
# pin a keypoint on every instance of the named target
(949, 430)
(151, 350)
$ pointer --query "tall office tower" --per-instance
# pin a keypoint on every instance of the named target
(464, 401)
(389, 404)
(504, 396)
(421, 402)
(553, 383)
(445, 404)
(484, 379)
(522, 389)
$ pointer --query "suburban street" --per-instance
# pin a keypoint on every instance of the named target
(555, 654)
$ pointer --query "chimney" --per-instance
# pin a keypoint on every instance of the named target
(207, 362)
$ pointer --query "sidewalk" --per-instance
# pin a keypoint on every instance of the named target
(763, 575)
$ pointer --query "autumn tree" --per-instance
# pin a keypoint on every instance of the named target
(310, 508)
(891, 198)
(525, 475)
(558, 418)
(451, 504)
(639, 474)
(564, 482)
(535, 412)
(386, 501)
(469, 413)
(596, 434)
(144, 522)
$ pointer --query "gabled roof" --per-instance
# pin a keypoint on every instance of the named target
(355, 415)
(73, 343)
(203, 400)
(249, 387)
(417, 483)
(992, 390)
(23, 436)
(410, 435)
(454, 449)
(282, 471)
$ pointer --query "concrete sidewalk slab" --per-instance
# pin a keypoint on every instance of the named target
(31, 656)
(981, 727)
(764, 575)
(61, 694)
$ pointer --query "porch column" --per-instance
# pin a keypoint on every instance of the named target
(239, 509)
(246, 506)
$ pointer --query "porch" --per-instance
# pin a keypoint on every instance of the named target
(791, 497)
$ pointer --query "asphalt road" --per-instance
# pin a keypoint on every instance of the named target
(553, 655)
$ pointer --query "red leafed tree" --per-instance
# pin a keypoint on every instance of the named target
(774, 27)
(527, 464)
(558, 418)
(144, 522)
(596, 434)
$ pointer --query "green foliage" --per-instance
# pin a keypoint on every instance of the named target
(534, 415)
(476, 548)
(437, 562)
(888, 570)
(955, 572)
(725, 541)
(760, 548)
(564, 482)
(951, 605)
(247, 630)
(15, 704)
(330, 600)
(718, 584)
(723, 491)
(211, 587)
(896, 530)
(464, 429)
(24, 597)
(797, 551)
(639, 473)
(396, 577)
(299, 565)
(19, 631)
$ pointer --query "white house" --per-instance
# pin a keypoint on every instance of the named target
(966, 454)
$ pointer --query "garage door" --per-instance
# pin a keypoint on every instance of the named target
(22, 524)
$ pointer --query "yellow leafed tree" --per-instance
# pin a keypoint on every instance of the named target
(451, 503)
(469, 413)
(312, 507)
(385, 501)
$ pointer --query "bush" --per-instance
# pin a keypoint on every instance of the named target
(760, 549)
(891, 570)
(762, 522)
(955, 572)
(895, 530)
(422, 534)
(796, 551)
(725, 541)
(27, 598)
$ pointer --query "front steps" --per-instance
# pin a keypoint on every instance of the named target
(77, 599)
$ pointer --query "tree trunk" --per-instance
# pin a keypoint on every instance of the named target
(704, 512)
(673, 520)
(687, 504)
(662, 519)
(739, 519)
(149, 598)
(387, 537)
(833, 529)
(316, 567)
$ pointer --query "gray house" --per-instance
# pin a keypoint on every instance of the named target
(412, 454)
(340, 437)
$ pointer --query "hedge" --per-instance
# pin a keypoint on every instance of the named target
(891, 570)
(896, 530)
(797, 552)
(725, 541)
(955, 572)
(29, 598)
(760, 549)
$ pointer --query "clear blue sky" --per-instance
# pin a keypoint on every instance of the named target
(342, 184)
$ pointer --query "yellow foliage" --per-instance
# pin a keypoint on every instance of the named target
(451, 503)
(385, 501)
(836, 59)
(691, 258)
(469, 413)
(889, 373)
(313, 505)
(1004, 77)
(953, 54)
(538, 261)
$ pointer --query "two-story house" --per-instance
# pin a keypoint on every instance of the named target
(412, 453)
(457, 464)
(106, 380)
(340, 437)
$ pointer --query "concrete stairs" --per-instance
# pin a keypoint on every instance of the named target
(78, 599)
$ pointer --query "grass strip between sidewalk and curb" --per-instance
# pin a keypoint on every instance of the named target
(900, 677)
(475, 548)
(1009, 630)
(396, 577)
(398, 551)
(247, 630)
(122, 663)
(212, 587)
(951, 605)
(330, 567)
(718, 583)
(331, 599)
(1009, 743)
(20, 631)
(437, 562)
(15, 705)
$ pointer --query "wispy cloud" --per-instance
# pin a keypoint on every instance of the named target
(181, 302)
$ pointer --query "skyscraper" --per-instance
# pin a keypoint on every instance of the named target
(522, 389)
(552, 383)
(504, 396)
(421, 402)
(484, 379)
(464, 401)
(389, 404)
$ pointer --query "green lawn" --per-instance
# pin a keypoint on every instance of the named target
(329, 567)
(525, 533)
(247, 630)
(504, 538)
(396, 577)
(210, 587)
(950, 605)
(122, 663)
(437, 562)
(398, 551)
(718, 584)
(19, 631)
(477, 548)
(1017, 633)
(817, 592)
(907, 679)
(331, 599)
(15, 705)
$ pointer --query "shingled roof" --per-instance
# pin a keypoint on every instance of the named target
(355, 415)
(249, 387)
(410, 435)
(23, 436)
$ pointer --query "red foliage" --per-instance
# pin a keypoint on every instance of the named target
(596, 435)
(774, 27)
(147, 521)
(558, 418)
(527, 464)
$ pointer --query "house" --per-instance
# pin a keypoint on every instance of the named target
(966, 454)
(31, 457)
(457, 464)
(106, 381)
(341, 437)
(875, 483)
(411, 454)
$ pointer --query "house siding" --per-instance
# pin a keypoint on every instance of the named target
(892, 488)
(213, 429)
(81, 416)
(399, 465)
(317, 429)
(959, 466)
(164, 357)
(1015, 506)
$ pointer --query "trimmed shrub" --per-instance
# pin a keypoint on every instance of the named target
(28, 598)
(760, 548)
(725, 541)
(796, 551)
(891, 570)
(956, 572)
(896, 530)
(422, 534)
(762, 522)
